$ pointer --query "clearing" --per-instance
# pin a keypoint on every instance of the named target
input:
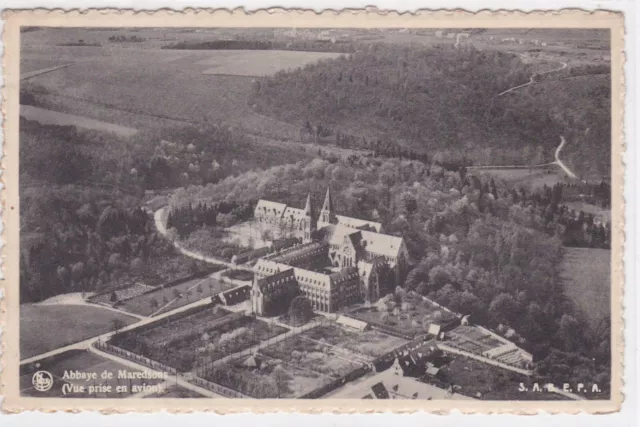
(586, 274)
(71, 323)
(529, 179)
(83, 361)
(49, 117)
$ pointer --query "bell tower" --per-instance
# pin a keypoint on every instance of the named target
(310, 223)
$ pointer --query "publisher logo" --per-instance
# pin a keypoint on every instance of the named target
(42, 381)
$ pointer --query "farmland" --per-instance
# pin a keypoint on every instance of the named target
(259, 62)
(71, 323)
(197, 86)
(172, 297)
(586, 274)
(83, 361)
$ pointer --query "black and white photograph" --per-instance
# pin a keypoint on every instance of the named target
(315, 213)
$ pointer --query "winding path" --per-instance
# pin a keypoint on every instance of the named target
(533, 77)
(559, 162)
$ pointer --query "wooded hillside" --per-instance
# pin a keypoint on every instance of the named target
(444, 100)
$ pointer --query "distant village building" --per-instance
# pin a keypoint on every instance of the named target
(341, 261)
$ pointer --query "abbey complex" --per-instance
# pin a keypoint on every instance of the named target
(341, 260)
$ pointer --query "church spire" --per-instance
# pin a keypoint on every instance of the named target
(328, 202)
(308, 207)
(327, 214)
(309, 221)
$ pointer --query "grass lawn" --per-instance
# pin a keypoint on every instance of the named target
(239, 274)
(83, 361)
(167, 299)
(586, 274)
(369, 344)
(596, 211)
(71, 323)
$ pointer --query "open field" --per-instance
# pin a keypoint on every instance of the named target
(49, 117)
(604, 215)
(87, 88)
(82, 361)
(71, 323)
(259, 62)
(198, 338)
(586, 274)
(172, 297)
(526, 178)
(367, 345)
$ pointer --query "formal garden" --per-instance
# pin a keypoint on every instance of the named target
(406, 313)
(198, 338)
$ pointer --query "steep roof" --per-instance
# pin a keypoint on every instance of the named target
(375, 243)
(352, 323)
(268, 207)
(328, 201)
(358, 223)
(308, 206)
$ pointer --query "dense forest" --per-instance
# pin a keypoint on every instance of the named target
(477, 248)
(83, 225)
(443, 101)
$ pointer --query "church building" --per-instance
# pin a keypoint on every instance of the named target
(341, 260)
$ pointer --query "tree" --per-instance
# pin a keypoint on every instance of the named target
(153, 304)
(300, 310)
(281, 378)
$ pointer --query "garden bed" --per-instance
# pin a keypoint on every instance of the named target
(197, 339)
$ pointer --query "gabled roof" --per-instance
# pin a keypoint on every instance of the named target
(358, 223)
(270, 208)
(352, 323)
(375, 243)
